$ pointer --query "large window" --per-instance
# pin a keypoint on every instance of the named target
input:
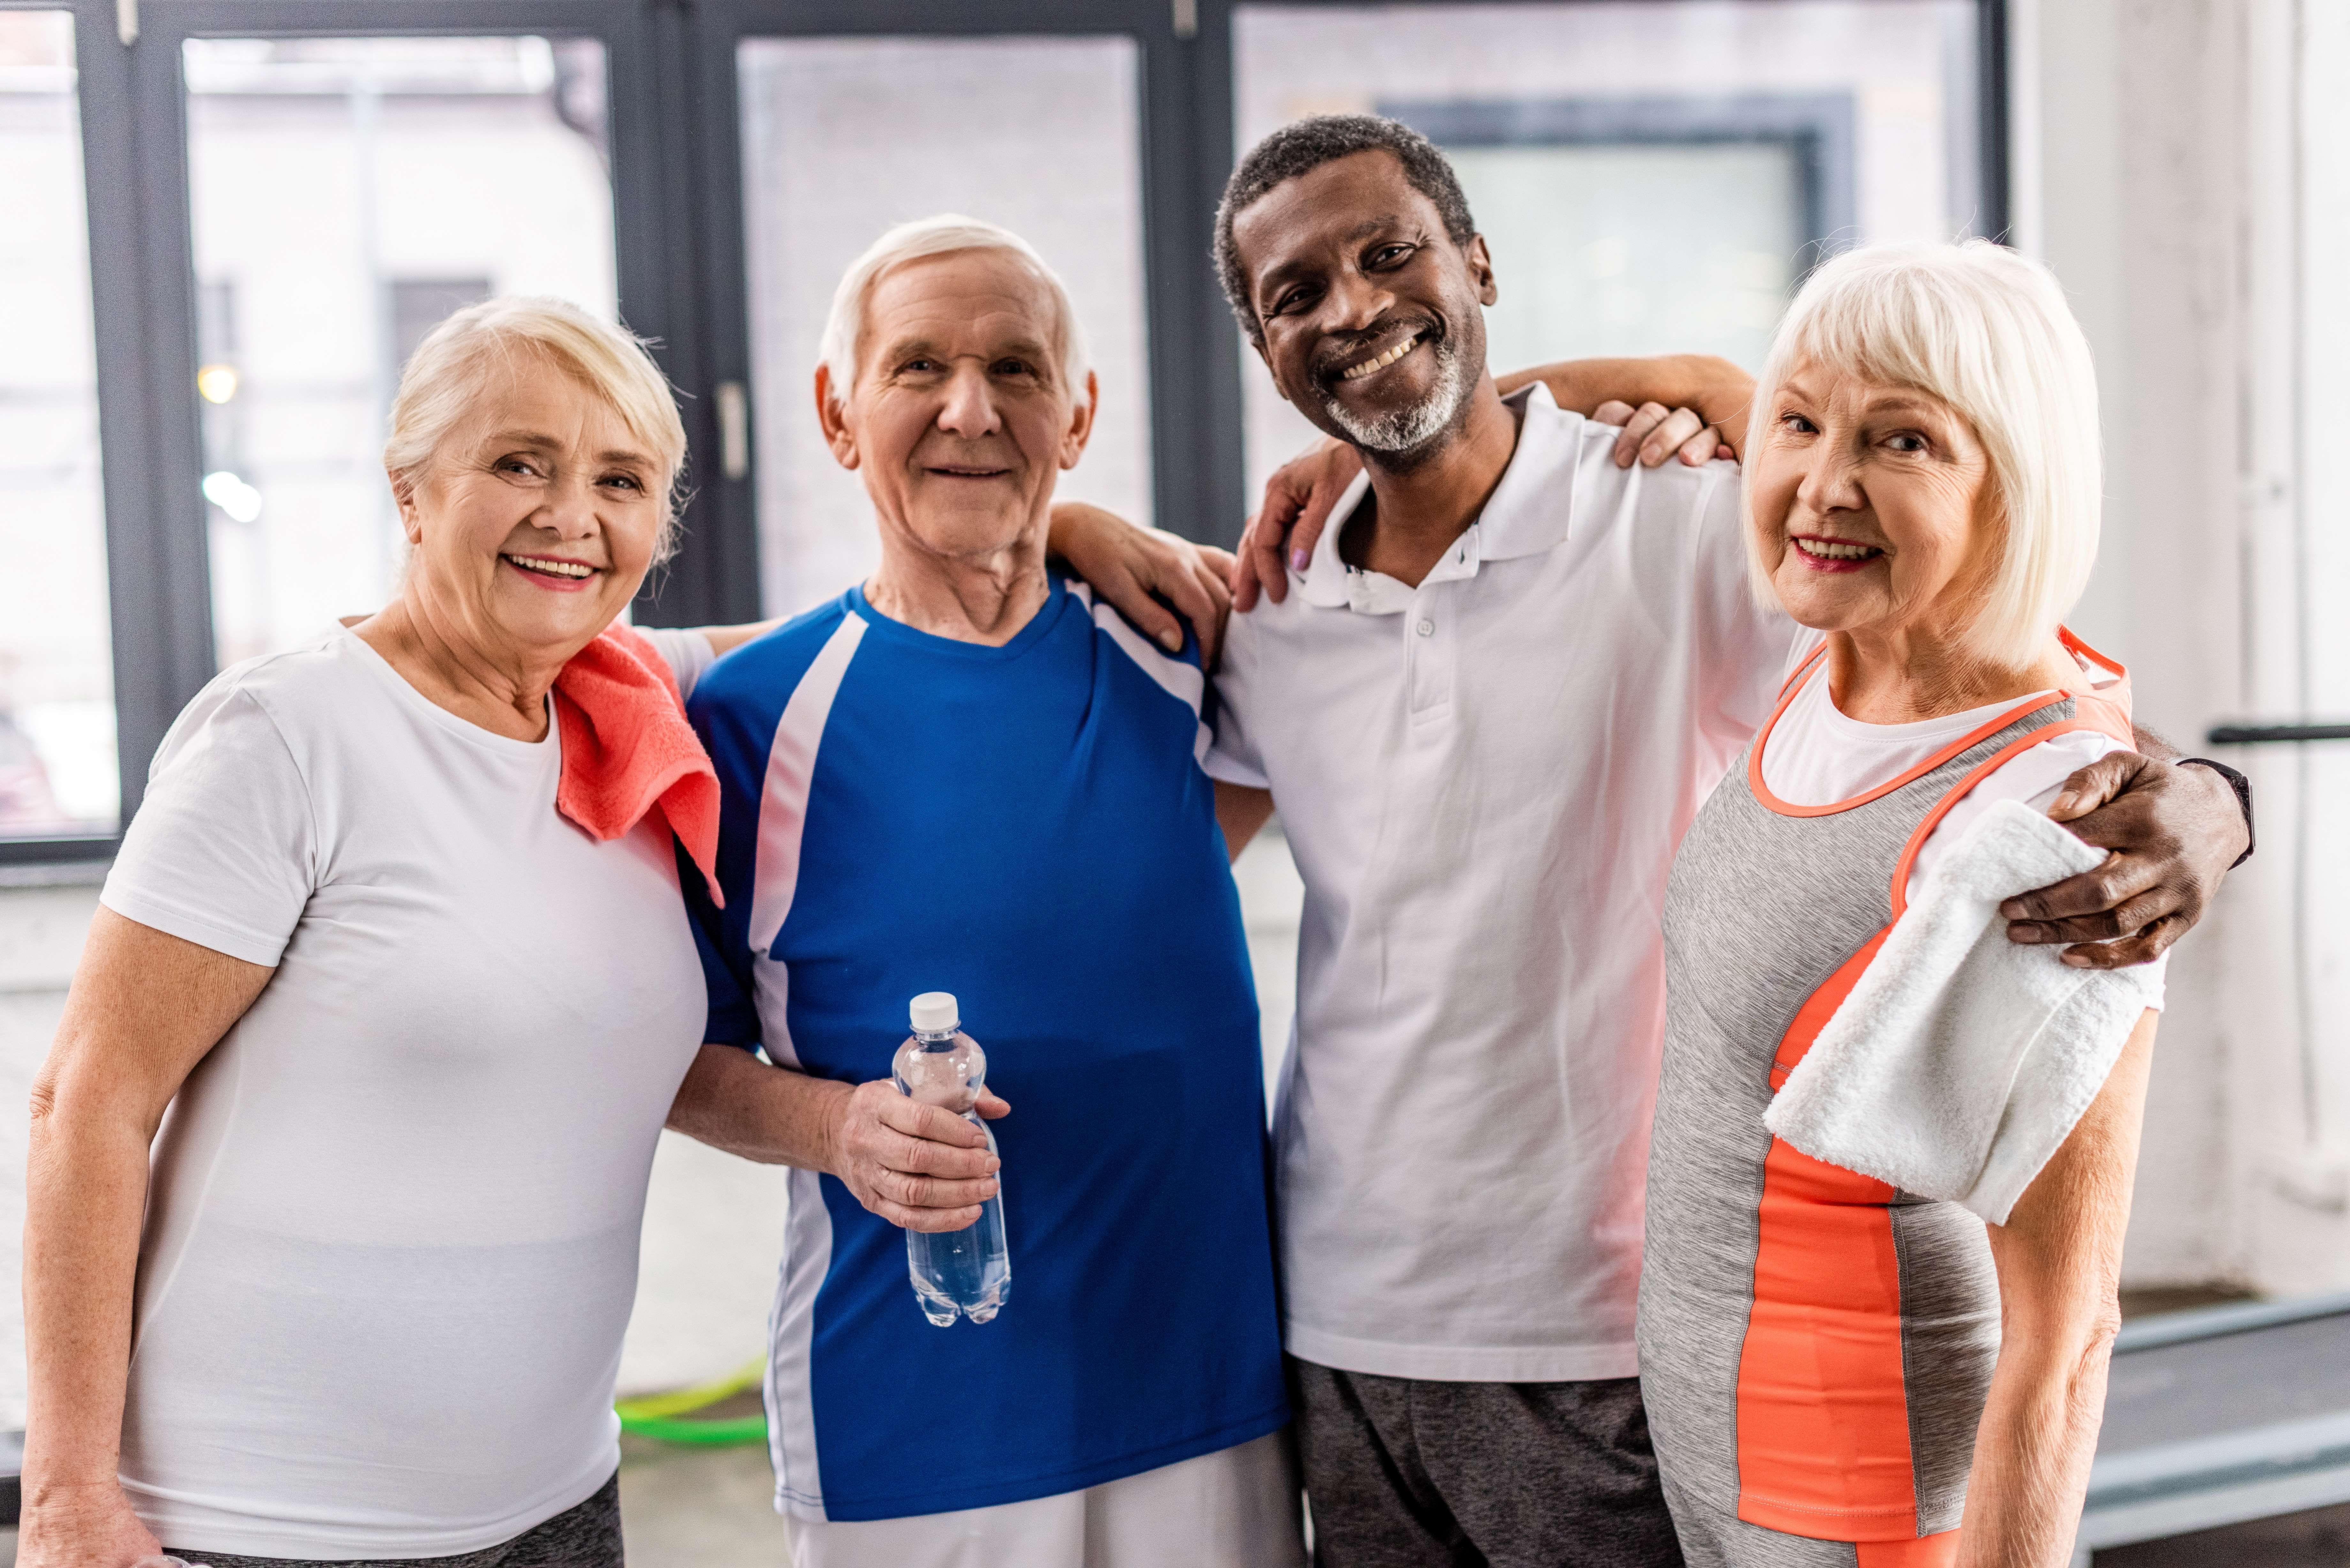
(230, 223)
(1649, 178)
(346, 195)
(58, 765)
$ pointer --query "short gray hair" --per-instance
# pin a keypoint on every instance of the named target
(456, 360)
(935, 236)
(1987, 332)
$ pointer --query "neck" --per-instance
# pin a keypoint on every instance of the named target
(1907, 673)
(502, 691)
(984, 599)
(1421, 505)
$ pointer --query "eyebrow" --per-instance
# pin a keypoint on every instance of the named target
(543, 443)
(1027, 346)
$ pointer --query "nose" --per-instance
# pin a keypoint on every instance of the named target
(1355, 302)
(569, 511)
(969, 410)
(1832, 482)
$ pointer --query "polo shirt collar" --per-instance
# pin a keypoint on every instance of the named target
(1528, 515)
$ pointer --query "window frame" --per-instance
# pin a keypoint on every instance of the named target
(681, 273)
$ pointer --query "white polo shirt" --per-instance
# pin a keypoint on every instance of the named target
(1483, 780)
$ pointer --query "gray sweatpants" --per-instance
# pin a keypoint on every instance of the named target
(586, 1536)
(1406, 1474)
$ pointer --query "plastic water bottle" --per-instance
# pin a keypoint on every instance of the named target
(967, 1272)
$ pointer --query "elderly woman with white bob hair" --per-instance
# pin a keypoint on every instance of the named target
(1840, 1373)
(397, 938)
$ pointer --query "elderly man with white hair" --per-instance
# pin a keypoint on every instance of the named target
(964, 775)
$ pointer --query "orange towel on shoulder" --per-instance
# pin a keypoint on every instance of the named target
(628, 750)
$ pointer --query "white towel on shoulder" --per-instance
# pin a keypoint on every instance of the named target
(1961, 1060)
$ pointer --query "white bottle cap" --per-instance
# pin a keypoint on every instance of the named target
(934, 1013)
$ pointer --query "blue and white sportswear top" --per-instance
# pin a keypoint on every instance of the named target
(1028, 827)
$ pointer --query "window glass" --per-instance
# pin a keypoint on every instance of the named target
(348, 194)
(843, 138)
(1649, 177)
(57, 769)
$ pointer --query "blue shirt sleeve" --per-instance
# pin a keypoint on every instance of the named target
(733, 1018)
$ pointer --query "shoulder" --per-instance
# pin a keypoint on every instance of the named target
(763, 673)
(1176, 673)
(275, 702)
(2039, 768)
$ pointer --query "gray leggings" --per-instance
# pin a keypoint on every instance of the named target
(588, 1536)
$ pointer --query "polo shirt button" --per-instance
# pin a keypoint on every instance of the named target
(1426, 628)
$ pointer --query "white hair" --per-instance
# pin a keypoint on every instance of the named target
(943, 234)
(1987, 332)
(449, 368)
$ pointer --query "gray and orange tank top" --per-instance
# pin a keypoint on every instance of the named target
(1816, 1345)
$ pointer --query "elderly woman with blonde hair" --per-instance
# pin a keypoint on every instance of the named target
(1839, 1372)
(396, 939)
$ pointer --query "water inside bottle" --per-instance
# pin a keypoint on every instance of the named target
(965, 1273)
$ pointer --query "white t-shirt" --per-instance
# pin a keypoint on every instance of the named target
(392, 1219)
(1483, 780)
(1817, 756)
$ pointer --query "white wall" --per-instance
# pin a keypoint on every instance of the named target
(2160, 164)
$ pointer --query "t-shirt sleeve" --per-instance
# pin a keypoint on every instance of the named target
(224, 849)
(1233, 758)
(2035, 776)
(733, 1018)
(687, 652)
(1745, 646)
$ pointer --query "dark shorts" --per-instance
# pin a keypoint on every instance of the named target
(588, 1536)
(1406, 1474)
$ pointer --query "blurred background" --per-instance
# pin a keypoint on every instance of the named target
(225, 223)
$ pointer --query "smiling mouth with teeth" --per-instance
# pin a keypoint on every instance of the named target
(552, 566)
(1836, 549)
(1380, 362)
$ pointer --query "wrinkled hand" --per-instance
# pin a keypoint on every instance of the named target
(921, 1168)
(1127, 565)
(1653, 432)
(82, 1527)
(2174, 833)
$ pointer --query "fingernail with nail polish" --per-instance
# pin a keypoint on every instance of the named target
(1297, 560)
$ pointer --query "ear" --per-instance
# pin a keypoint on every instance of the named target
(832, 414)
(404, 495)
(1480, 270)
(1081, 423)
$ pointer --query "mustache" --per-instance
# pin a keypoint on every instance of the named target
(1340, 349)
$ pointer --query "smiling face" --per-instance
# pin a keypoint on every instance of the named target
(962, 417)
(1370, 318)
(1872, 507)
(538, 516)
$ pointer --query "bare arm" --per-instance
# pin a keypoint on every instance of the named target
(725, 639)
(1719, 392)
(1241, 812)
(916, 1166)
(143, 1010)
(2059, 1258)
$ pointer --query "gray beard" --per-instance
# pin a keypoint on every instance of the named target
(1408, 429)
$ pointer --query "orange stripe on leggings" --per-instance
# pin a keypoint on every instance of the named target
(1822, 1409)
(1923, 1552)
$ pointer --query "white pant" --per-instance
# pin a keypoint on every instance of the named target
(1234, 1509)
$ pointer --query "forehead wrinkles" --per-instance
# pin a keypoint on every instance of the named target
(954, 298)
